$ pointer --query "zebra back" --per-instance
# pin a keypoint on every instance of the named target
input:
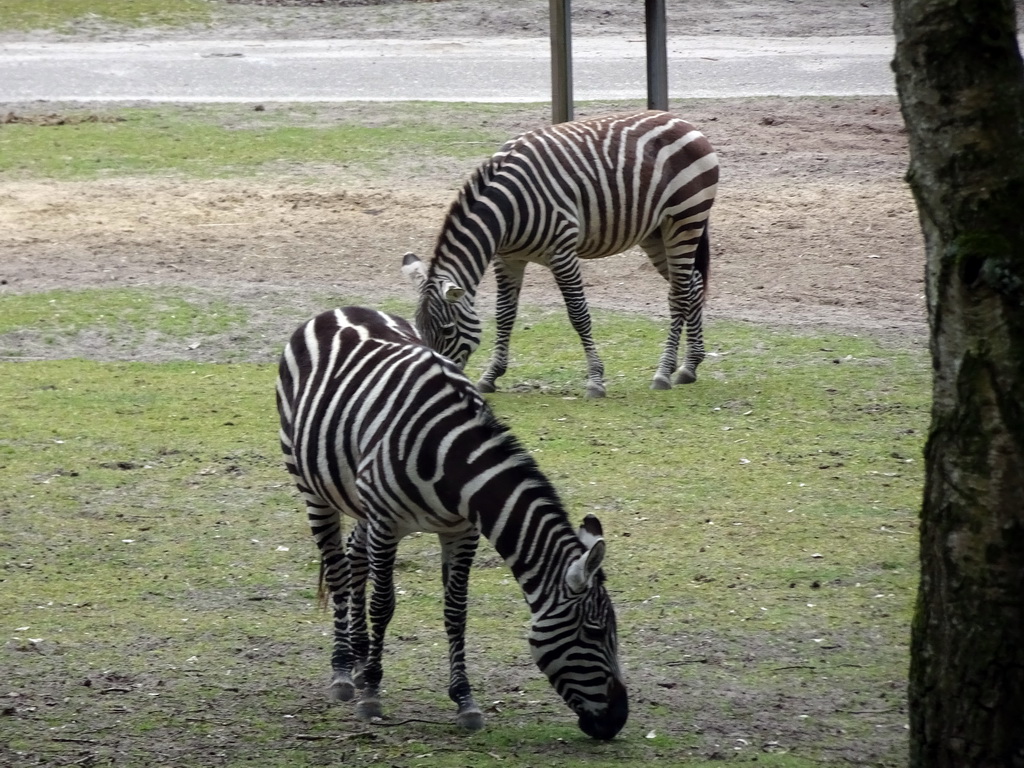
(611, 180)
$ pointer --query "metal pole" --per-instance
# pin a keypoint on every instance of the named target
(657, 55)
(561, 61)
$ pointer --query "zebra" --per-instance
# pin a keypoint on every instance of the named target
(577, 190)
(377, 426)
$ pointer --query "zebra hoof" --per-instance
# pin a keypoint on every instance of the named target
(368, 709)
(341, 690)
(486, 387)
(686, 376)
(595, 390)
(470, 719)
(660, 382)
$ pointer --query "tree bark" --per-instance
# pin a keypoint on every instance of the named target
(961, 86)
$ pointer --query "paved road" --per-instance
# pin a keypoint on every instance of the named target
(509, 70)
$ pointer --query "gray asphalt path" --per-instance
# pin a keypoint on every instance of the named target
(492, 69)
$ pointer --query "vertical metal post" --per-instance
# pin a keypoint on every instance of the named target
(561, 61)
(657, 55)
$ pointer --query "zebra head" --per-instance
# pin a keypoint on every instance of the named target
(445, 317)
(574, 642)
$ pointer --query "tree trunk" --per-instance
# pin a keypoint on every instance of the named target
(961, 85)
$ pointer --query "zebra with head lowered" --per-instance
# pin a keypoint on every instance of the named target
(579, 190)
(379, 427)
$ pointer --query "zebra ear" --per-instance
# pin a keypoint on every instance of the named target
(414, 269)
(451, 291)
(581, 573)
(590, 530)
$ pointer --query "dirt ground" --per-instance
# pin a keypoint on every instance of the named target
(427, 19)
(814, 224)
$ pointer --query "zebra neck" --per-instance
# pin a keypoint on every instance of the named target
(472, 232)
(538, 548)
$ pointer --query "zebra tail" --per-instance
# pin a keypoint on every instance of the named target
(702, 259)
(322, 592)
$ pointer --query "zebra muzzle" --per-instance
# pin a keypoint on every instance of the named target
(606, 723)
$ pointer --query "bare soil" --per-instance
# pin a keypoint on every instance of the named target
(814, 225)
(814, 228)
(427, 19)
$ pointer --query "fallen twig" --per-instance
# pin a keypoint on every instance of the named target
(340, 737)
(408, 720)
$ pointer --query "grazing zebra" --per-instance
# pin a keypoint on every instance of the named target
(580, 190)
(377, 426)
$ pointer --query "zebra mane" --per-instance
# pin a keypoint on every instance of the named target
(535, 475)
(526, 460)
(469, 193)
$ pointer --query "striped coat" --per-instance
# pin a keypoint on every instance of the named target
(579, 190)
(379, 428)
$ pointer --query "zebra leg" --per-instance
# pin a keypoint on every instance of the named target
(693, 308)
(335, 574)
(565, 266)
(341, 687)
(694, 319)
(686, 303)
(359, 569)
(350, 621)
(509, 279)
(381, 549)
(669, 354)
(457, 553)
(337, 570)
(655, 249)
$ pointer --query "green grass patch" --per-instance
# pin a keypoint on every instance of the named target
(67, 15)
(118, 322)
(205, 142)
(157, 579)
(67, 312)
(157, 325)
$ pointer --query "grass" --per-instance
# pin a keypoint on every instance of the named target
(58, 316)
(156, 572)
(153, 325)
(66, 15)
(210, 142)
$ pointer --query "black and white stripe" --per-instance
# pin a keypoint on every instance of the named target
(579, 190)
(379, 427)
